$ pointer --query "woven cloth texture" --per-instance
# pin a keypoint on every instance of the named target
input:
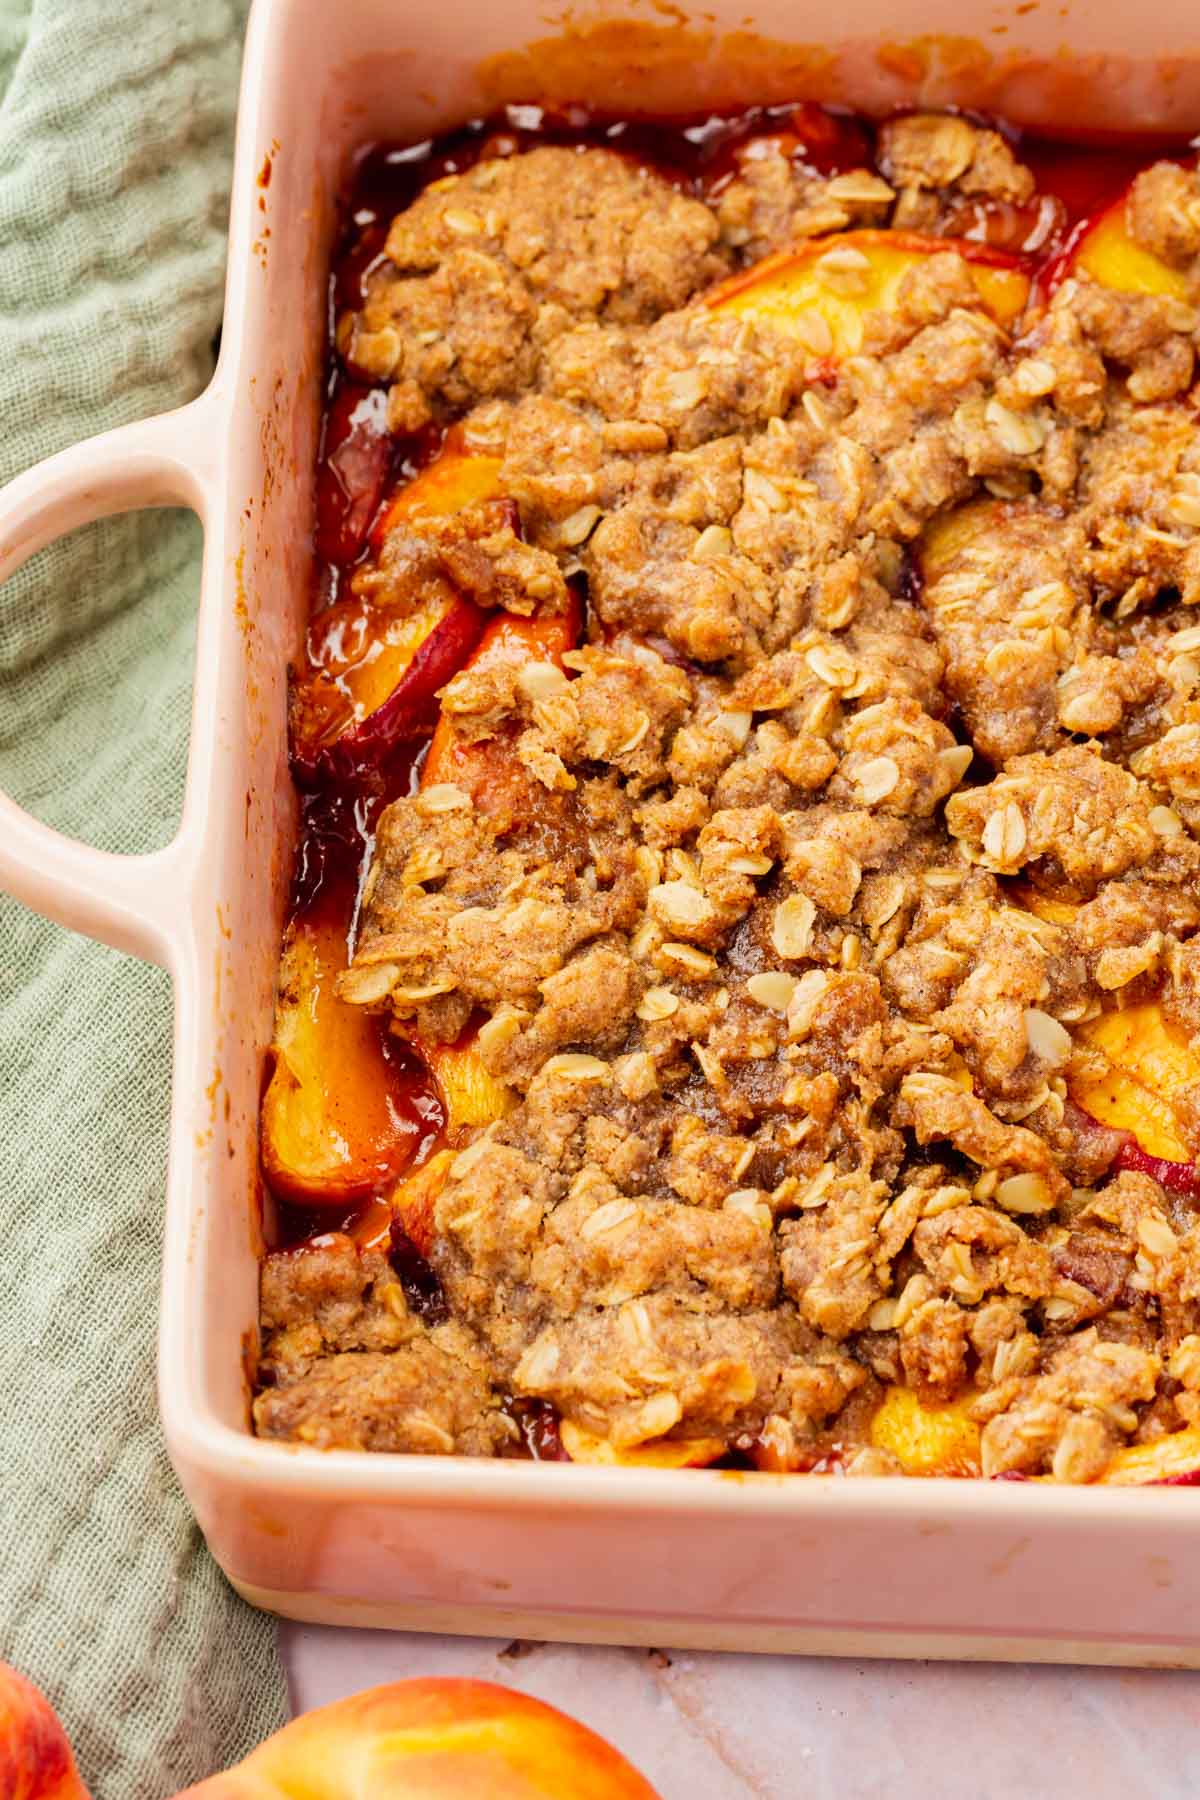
(116, 131)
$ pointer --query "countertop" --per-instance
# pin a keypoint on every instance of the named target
(714, 1727)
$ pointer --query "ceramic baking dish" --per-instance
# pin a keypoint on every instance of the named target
(751, 1561)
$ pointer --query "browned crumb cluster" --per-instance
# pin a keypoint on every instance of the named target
(788, 1045)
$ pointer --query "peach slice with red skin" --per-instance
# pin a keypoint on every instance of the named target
(455, 479)
(823, 291)
(375, 674)
(471, 1096)
(350, 715)
(356, 459)
(331, 1131)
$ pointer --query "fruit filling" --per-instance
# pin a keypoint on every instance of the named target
(741, 999)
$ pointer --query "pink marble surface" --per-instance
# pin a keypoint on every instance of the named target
(711, 1727)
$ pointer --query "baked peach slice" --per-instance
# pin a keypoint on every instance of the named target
(1146, 1060)
(35, 1757)
(1139, 1061)
(455, 479)
(470, 1093)
(375, 673)
(950, 533)
(374, 682)
(823, 291)
(356, 461)
(927, 1440)
(411, 1204)
(471, 1096)
(496, 783)
(1169, 1461)
(583, 1446)
(1103, 249)
(488, 771)
(333, 1129)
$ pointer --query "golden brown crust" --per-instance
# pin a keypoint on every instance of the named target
(788, 1043)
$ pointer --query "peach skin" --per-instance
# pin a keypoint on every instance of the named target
(35, 1758)
(431, 1740)
(330, 1134)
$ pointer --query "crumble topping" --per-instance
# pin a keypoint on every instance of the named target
(753, 945)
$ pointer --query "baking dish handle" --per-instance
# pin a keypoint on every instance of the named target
(126, 901)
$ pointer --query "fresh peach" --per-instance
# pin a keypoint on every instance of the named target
(824, 291)
(431, 1740)
(927, 1440)
(661, 1453)
(35, 1758)
(332, 1129)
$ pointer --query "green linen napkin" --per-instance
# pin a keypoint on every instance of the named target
(116, 128)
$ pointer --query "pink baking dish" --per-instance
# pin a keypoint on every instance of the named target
(703, 1558)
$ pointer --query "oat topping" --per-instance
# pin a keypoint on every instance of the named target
(873, 784)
